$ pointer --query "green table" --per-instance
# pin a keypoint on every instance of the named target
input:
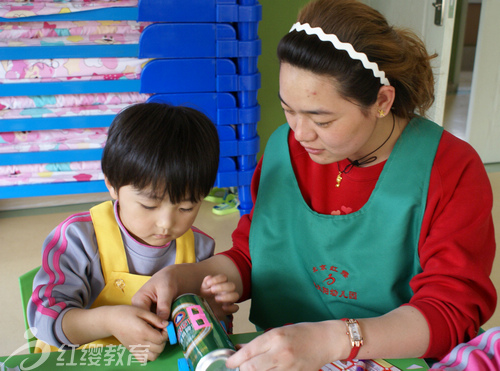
(121, 359)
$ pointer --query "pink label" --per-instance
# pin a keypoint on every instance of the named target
(195, 313)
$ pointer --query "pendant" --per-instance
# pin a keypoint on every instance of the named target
(339, 179)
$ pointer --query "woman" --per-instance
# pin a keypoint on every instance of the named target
(368, 218)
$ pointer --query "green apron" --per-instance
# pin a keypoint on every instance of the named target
(313, 267)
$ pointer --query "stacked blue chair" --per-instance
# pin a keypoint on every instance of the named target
(209, 61)
(203, 54)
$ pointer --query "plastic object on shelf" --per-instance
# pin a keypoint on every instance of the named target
(229, 176)
(195, 40)
(245, 151)
(199, 11)
(221, 108)
(197, 75)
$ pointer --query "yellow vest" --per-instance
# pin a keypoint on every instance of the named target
(120, 285)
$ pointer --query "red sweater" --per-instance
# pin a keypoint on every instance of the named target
(457, 240)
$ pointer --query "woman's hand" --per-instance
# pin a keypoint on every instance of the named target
(401, 333)
(303, 346)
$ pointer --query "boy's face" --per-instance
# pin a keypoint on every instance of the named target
(151, 221)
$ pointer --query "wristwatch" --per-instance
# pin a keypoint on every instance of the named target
(354, 332)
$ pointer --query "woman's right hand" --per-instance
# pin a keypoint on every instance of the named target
(297, 347)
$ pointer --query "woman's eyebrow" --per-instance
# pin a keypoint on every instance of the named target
(281, 99)
(309, 112)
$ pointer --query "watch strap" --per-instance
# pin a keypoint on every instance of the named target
(355, 343)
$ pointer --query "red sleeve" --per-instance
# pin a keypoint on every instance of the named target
(240, 252)
(457, 248)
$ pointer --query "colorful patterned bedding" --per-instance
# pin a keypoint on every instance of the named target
(52, 140)
(61, 33)
(19, 8)
(23, 33)
(50, 173)
(68, 69)
(57, 140)
(67, 105)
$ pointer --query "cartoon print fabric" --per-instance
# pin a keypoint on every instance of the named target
(20, 8)
(65, 34)
(62, 33)
(22, 107)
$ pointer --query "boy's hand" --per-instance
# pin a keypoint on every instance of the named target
(221, 295)
(158, 293)
(141, 331)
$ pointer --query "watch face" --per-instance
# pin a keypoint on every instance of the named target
(354, 331)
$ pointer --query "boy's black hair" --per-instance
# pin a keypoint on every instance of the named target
(172, 149)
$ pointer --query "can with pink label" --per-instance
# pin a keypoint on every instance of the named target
(204, 341)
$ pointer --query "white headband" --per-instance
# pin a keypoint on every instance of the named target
(339, 45)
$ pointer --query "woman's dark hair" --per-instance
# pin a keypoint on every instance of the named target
(172, 149)
(398, 52)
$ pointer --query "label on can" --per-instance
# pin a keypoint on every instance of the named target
(203, 339)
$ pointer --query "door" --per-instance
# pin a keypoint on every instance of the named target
(483, 119)
(419, 15)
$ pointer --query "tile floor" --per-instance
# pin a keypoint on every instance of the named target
(457, 106)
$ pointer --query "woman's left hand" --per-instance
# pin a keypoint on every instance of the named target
(303, 346)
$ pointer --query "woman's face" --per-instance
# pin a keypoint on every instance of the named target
(329, 127)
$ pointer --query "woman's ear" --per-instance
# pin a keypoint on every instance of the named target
(385, 99)
(111, 189)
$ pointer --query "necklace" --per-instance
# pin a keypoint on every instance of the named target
(363, 160)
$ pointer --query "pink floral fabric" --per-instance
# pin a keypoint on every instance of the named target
(50, 173)
(62, 33)
(20, 8)
(52, 140)
(67, 105)
(69, 69)
(22, 33)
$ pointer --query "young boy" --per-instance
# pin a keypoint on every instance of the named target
(159, 162)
